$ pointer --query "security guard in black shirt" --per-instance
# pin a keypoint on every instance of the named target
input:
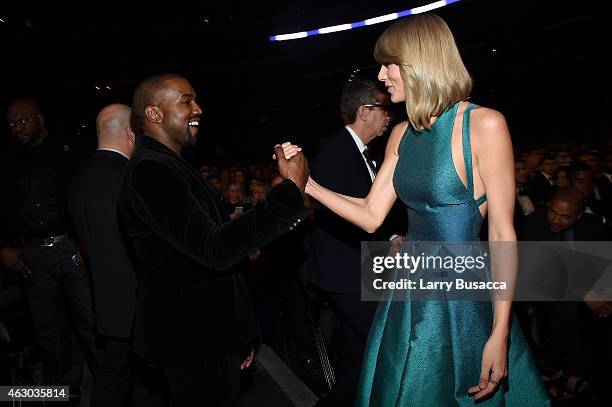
(35, 244)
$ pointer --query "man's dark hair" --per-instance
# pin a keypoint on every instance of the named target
(356, 93)
(571, 196)
(149, 92)
(547, 156)
(574, 169)
(585, 152)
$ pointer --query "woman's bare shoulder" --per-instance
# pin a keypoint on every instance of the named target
(396, 136)
(487, 119)
(489, 130)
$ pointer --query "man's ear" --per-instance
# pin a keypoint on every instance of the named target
(131, 135)
(154, 114)
(362, 113)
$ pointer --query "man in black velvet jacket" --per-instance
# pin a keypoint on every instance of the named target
(193, 315)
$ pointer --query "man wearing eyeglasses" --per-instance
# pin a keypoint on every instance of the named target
(344, 164)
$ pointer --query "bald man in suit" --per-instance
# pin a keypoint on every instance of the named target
(93, 207)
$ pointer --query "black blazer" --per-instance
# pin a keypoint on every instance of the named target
(540, 189)
(535, 227)
(192, 304)
(335, 244)
(94, 211)
(551, 275)
(605, 190)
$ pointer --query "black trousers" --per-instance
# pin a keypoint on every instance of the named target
(114, 379)
(59, 299)
(124, 380)
(355, 318)
(563, 343)
(212, 382)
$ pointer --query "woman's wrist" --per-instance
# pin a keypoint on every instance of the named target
(308, 189)
(310, 185)
(501, 331)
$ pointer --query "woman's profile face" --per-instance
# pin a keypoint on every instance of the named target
(390, 75)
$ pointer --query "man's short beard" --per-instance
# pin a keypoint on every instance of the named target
(191, 141)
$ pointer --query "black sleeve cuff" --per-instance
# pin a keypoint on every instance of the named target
(287, 204)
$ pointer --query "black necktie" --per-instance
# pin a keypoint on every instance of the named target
(369, 160)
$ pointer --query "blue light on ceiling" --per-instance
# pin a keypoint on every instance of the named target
(369, 21)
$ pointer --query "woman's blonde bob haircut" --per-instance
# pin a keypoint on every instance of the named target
(434, 75)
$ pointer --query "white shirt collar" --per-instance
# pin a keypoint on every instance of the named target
(361, 148)
(358, 141)
(114, 151)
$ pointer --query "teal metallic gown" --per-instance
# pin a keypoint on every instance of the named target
(428, 353)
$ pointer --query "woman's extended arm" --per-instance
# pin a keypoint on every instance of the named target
(367, 213)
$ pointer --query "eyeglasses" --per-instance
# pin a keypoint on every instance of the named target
(377, 104)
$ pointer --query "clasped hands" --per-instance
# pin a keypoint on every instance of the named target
(292, 164)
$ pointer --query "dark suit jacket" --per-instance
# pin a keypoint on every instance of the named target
(535, 228)
(335, 244)
(93, 208)
(192, 304)
(540, 189)
(605, 189)
(551, 274)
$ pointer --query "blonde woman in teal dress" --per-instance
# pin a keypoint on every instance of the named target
(441, 163)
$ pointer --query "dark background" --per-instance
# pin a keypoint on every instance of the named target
(542, 63)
